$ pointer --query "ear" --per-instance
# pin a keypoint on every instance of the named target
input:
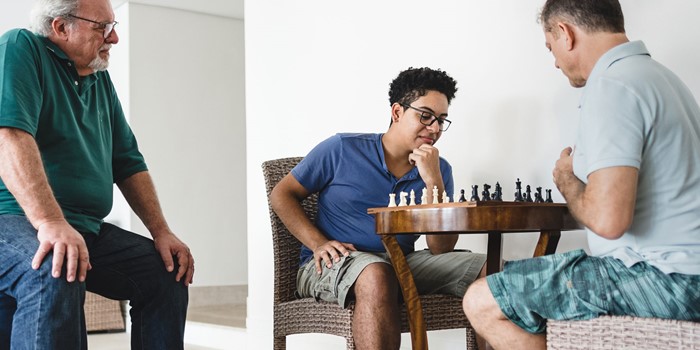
(569, 33)
(60, 28)
(396, 112)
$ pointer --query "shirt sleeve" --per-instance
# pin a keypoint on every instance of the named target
(127, 160)
(20, 88)
(317, 169)
(613, 125)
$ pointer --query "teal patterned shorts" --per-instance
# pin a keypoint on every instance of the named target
(575, 286)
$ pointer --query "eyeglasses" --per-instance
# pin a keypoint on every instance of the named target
(428, 119)
(107, 27)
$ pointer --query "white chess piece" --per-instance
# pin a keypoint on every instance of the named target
(445, 198)
(435, 195)
(412, 198)
(424, 196)
(392, 200)
(402, 199)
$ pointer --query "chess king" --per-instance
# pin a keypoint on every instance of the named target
(354, 172)
(632, 181)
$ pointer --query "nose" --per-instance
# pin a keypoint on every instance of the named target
(113, 37)
(433, 128)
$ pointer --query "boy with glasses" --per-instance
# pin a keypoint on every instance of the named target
(343, 258)
(64, 142)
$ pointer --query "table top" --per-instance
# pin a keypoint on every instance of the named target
(473, 217)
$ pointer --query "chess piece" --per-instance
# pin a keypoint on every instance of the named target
(485, 194)
(402, 199)
(497, 193)
(475, 193)
(435, 195)
(538, 195)
(461, 196)
(549, 196)
(392, 200)
(412, 198)
(518, 191)
(424, 196)
(445, 198)
(528, 196)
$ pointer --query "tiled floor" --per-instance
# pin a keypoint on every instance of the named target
(229, 315)
(120, 341)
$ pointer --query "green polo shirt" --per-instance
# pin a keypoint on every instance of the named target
(85, 142)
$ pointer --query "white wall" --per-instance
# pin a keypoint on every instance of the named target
(180, 77)
(316, 67)
(187, 109)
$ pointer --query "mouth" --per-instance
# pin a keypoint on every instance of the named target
(428, 140)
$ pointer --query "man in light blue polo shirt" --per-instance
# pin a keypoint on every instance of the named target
(343, 257)
(632, 179)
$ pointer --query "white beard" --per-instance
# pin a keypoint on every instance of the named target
(98, 64)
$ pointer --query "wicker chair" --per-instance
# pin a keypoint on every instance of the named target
(623, 332)
(102, 314)
(294, 316)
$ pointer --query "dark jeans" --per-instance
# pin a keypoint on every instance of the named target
(38, 311)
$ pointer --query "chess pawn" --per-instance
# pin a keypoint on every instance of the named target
(392, 200)
(475, 193)
(424, 196)
(402, 199)
(412, 198)
(528, 196)
(461, 196)
(435, 195)
(538, 195)
(445, 198)
(549, 196)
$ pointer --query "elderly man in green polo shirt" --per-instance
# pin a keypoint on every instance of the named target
(64, 142)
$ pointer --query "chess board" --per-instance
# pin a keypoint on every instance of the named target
(466, 204)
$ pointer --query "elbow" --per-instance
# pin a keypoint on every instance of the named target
(611, 228)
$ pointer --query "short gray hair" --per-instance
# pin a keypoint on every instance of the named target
(45, 11)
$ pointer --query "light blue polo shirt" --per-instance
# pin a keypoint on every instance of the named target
(635, 112)
(349, 172)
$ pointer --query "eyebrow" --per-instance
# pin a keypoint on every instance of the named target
(428, 109)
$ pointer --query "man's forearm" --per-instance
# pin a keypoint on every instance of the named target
(22, 171)
(140, 193)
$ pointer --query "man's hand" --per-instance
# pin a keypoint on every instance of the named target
(67, 244)
(563, 174)
(427, 159)
(330, 252)
(168, 245)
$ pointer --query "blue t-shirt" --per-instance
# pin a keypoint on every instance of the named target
(350, 174)
(637, 113)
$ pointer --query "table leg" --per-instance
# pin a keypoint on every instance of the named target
(416, 322)
(547, 244)
(494, 252)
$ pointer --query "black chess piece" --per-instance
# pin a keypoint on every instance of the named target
(485, 194)
(497, 193)
(549, 196)
(475, 193)
(538, 195)
(528, 196)
(461, 197)
(518, 191)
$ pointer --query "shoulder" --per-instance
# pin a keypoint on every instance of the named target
(19, 36)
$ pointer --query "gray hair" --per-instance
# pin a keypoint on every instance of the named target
(590, 15)
(45, 11)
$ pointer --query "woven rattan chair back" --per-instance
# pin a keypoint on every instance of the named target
(295, 316)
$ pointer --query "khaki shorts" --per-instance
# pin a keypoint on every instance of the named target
(449, 273)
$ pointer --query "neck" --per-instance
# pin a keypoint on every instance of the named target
(595, 45)
(395, 156)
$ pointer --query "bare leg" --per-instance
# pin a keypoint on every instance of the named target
(487, 319)
(376, 320)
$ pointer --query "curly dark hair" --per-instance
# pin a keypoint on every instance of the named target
(413, 83)
(589, 15)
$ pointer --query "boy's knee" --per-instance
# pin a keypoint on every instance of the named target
(475, 298)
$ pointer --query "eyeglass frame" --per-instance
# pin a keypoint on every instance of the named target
(441, 121)
(102, 25)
